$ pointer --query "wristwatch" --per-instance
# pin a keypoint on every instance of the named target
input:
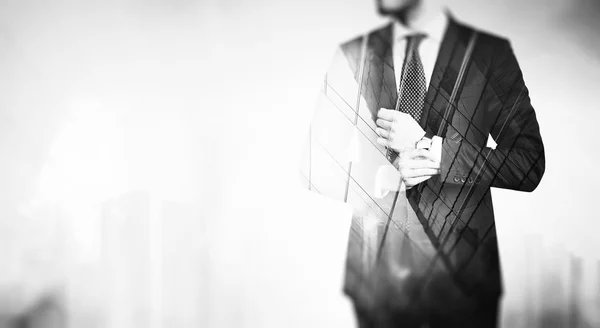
(425, 142)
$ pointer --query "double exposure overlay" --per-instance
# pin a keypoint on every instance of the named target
(430, 251)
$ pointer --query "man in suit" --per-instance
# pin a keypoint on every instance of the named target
(437, 92)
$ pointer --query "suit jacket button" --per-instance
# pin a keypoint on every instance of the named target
(470, 180)
(456, 179)
(462, 179)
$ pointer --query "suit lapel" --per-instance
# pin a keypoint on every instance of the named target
(443, 78)
(378, 84)
(379, 87)
(381, 44)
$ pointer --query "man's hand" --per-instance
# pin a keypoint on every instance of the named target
(397, 130)
(416, 166)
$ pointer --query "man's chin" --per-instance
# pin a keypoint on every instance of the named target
(384, 11)
(391, 12)
(399, 11)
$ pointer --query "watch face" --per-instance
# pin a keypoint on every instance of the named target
(424, 143)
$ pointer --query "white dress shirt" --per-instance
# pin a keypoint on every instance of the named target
(428, 49)
(387, 176)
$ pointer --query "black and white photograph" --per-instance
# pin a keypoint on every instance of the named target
(263, 163)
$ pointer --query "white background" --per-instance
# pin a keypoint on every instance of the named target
(207, 103)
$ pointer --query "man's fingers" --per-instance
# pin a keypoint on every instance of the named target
(411, 182)
(386, 125)
(383, 133)
(416, 153)
(386, 114)
(418, 164)
(416, 173)
(393, 115)
(382, 141)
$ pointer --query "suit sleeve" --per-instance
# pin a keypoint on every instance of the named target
(310, 151)
(518, 161)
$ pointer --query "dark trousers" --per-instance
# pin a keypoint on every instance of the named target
(486, 316)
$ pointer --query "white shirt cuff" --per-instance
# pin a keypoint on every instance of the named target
(436, 147)
(387, 179)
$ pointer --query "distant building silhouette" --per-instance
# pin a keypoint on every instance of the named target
(575, 300)
(556, 284)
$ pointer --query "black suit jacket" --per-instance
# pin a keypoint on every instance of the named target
(455, 208)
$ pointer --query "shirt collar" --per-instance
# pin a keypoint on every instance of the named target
(433, 29)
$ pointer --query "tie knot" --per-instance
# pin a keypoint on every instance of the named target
(414, 40)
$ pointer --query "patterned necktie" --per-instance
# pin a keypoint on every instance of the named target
(412, 89)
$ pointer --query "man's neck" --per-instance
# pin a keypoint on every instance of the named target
(417, 16)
